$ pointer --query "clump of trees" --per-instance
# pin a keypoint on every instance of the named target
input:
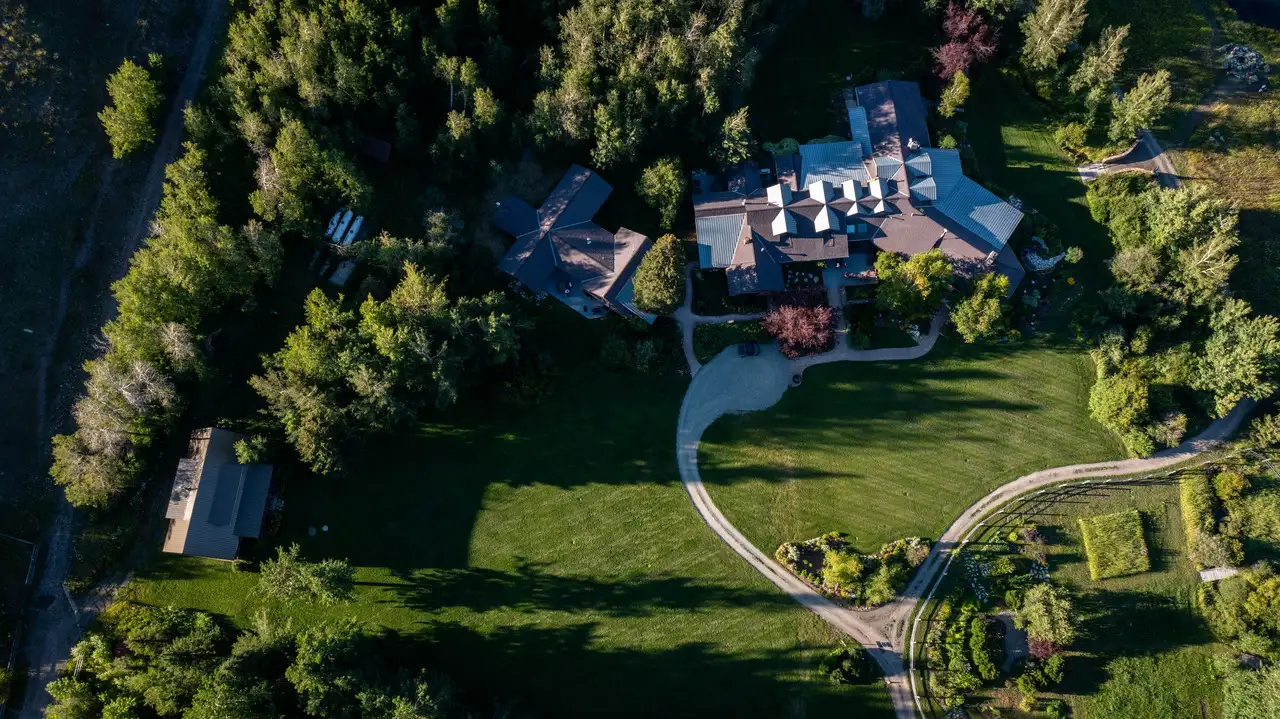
(800, 329)
(1244, 610)
(626, 75)
(163, 661)
(847, 664)
(189, 270)
(1170, 338)
(135, 99)
(343, 376)
(659, 280)
(915, 287)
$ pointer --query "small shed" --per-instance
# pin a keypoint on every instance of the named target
(215, 501)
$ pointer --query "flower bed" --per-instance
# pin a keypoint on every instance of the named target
(830, 564)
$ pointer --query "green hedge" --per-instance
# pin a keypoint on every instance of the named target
(1196, 496)
(710, 339)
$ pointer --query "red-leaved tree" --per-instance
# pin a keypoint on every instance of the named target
(969, 40)
(1041, 648)
(800, 330)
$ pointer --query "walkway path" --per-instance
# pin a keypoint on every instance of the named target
(730, 384)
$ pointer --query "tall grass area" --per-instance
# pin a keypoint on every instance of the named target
(549, 555)
(1114, 544)
(886, 450)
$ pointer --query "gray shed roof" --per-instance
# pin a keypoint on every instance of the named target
(215, 501)
(834, 162)
(717, 236)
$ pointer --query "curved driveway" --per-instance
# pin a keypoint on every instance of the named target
(730, 384)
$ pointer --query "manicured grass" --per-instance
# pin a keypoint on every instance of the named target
(550, 555)
(887, 450)
(710, 339)
(1114, 544)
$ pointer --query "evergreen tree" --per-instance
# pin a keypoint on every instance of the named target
(954, 95)
(735, 139)
(659, 280)
(663, 185)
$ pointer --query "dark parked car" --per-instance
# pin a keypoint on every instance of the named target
(748, 349)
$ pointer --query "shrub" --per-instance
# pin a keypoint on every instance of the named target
(1055, 709)
(289, 577)
(842, 571)
(1228, 485)
(135, 98)
(801, 330)
(1119, 402)
(954, 95)
(948, 142)
(979, 315)
(710, 338)
(1072, 138)
(883, 584)
(1212, 550)
(980, 648)
(846, 664)
(1047, 613)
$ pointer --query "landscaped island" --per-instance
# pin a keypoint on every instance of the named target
(831, 565)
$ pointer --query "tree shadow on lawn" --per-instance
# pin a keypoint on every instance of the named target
(529, 589)
(567, 668)
(1126, 623)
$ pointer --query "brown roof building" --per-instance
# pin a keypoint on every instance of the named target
(884, 188)
(561, 251)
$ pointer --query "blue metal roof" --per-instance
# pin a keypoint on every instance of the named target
(834, 162)
(981, 212)
(924, 189)
(886, 166)
(717, 237)
(944, 169)
(858, 128)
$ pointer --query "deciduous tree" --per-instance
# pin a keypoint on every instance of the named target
(979, 315)
(1102, 60)
(135, 98)
(914, 287)
(1140, 107)
(1241, 357)
(954, 95)
(1048, 31)
(735, 138)
(970, 40)
(290, 577)
(662, 185)
(1047, 614)
(800, 330)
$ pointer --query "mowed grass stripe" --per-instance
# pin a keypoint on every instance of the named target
(1114, 544)
(884, 450)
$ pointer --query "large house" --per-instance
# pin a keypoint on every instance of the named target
(885, 188)
(559, 250)
(215, 501)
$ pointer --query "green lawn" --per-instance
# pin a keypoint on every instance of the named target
(1114, 544)
(886, 450)
(550, 555)
(1145, 647)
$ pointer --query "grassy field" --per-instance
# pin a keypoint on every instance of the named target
(1114, 544)
(886, 450)
(550, 555)
(1145, 650)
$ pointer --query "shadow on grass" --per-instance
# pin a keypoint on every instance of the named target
(529, 589)
(565, 667)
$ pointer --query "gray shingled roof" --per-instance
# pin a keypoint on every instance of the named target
(858, 128)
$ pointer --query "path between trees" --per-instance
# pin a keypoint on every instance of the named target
(57, 626)
(730, 384)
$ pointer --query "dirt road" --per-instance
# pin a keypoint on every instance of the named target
(57, 626)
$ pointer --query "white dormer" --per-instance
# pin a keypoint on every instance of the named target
(853, 189)
(822, 191)
(826, 220)
(879, 188)
(780, 195)
(783, 224)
